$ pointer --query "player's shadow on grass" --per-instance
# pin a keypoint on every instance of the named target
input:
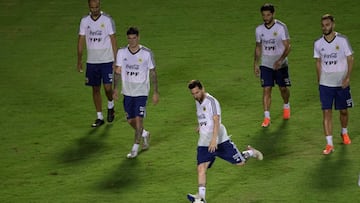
(124, 177)
(331, 171)
(268, 140)
(85, 146)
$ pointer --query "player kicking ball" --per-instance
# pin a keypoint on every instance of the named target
(213, 140)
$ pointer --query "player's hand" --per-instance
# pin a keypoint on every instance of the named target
(277, 64)
(345, 83)
(115, 94)
(79, 68)
(155, 98)
(257, 71)
(213, 146)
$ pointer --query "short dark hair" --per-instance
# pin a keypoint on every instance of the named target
(328, 16)
(195, 83)
(268, 7)
(132, 31)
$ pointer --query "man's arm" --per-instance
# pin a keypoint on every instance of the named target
(117, 75)
(213, 143)
(80, 48)
(114, 46)
(257, 55)
(154, 82)
(318, 68)
(286, 52)
(350, 62)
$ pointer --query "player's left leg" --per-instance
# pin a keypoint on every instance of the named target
(107, 76)
(343, 101)
(283, 80)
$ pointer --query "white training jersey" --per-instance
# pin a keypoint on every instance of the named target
(135, 68)
(271, 40)
(97, 35)
(333, 56)
(205, 112)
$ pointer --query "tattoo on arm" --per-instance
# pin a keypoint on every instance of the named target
(153, 76)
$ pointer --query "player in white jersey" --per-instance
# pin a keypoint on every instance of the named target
(272, 48)
(334, 64)
(213, 139)
(135, 63)
(97, 31)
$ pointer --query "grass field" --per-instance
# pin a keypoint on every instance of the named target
(49, 153)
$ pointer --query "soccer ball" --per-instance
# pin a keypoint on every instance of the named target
(198, 200)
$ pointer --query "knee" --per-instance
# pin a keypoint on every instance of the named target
(343, 112)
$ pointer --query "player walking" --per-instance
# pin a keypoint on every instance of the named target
(97, 30)
(136, 65)
(273, 45)
(334, 64)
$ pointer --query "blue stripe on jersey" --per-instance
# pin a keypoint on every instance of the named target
(213, 105)
(346, 39)
(285, 28)
(151, 54)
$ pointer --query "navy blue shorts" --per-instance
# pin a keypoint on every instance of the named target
(135, 106)
(269, 76)
(341, 97)
(226, 150)
(97, 73)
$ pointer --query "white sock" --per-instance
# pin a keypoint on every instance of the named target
(110, 104)
(100, 116)
(145, 133)
(329, 140)
(202, 191)
(286, 106)
(267, 114)
(344, 131)
(135, 147)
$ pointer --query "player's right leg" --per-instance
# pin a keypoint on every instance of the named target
(93, 79)
(267, 82)
(327, 96)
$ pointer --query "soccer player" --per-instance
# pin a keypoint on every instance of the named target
(273, 47)
(97, 30)
(334, 63)
(213, 138)
(135, 63)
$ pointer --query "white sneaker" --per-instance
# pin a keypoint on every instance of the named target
(257, 154)
(132, 154)
(146, 140)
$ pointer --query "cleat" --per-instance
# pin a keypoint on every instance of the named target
(286, 114)
(132, 154)
(328, 149)
(257, 154)
(346, 139)
(110, 115)
(195, 198)
(97, 123)
(266, 122)
(146, 141)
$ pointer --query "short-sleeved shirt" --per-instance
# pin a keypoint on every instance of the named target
(135, 68)
(97, 34)
(205, 111)
(333, 56)
(271, 40)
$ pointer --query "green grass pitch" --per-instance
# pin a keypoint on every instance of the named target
(49, 153)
